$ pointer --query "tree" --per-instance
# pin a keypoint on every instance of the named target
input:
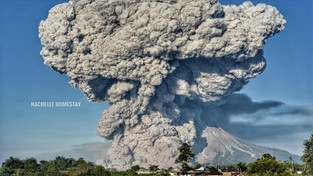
(298, 167)
(30, 165)
(99, 171)
(185, 155)
(213, 170)
(135, 168)
(307, 157)
(268, 156)
(291, 162)
(242, 166)
(60, 166)
(52, 170)
(131, 172)
(13, 163)
(61, 162)
(267, 166)
(153, 168)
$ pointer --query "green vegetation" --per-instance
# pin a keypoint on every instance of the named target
(268, 166)
(242, 166)
(153, 168)
(307, 157)
(185, 155)
(62, 166)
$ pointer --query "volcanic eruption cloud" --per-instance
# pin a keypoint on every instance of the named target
(159, 64)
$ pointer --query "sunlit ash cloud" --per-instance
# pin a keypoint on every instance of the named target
(159, 64)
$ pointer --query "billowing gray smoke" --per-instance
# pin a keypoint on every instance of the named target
(159, 64)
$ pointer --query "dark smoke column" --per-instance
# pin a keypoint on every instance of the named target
(158, 64)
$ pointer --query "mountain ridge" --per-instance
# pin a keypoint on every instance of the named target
(223, 148)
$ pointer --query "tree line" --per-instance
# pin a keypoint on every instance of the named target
(61, 166)
(267, 165)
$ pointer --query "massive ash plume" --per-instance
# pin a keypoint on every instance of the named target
(159, 64)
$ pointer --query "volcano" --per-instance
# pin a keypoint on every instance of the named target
(223, 148)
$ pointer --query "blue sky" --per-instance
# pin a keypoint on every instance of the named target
(26, 131)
